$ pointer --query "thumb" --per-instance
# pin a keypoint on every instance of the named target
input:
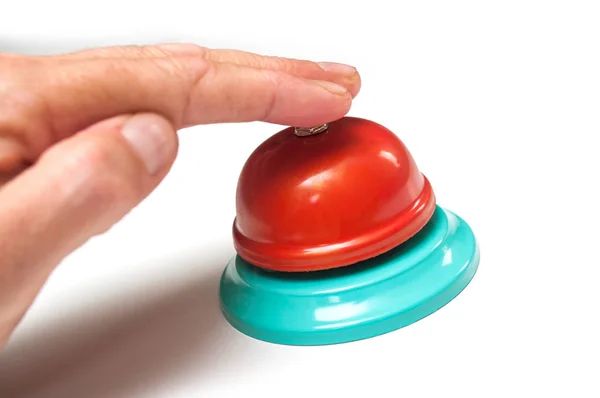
(79, 188)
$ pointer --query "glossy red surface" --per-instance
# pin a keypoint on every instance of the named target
(329, 200)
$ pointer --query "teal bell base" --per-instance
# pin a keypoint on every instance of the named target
(358, 301)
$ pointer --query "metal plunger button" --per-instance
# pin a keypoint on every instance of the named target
(307, 131)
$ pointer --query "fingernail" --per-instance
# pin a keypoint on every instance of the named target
(149, 136)
(341, 69)
(332, 87)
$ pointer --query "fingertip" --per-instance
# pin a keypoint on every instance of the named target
(343, 74)
(305, 102)
(355, 84)
(340, 98)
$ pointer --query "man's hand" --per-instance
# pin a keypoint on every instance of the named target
(84, 137)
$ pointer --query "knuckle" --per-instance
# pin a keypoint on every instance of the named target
(15, 103)
(189, 69)
(133, 51)
(11, 88)
(189, 72)
(282, 64)
(146, 51)
(23, 115)
(269, 100)
(291, 66)
(184, 49)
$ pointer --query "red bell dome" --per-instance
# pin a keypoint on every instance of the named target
(343, 195)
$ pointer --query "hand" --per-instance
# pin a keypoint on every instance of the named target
(84, 137)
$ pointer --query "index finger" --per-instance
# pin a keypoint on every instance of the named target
(71, 94)
(344, 75)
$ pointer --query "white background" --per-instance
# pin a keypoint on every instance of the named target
(499, 102)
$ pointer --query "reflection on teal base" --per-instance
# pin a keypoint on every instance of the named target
(359, 301)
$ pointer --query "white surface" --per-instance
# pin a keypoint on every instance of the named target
(499, 103)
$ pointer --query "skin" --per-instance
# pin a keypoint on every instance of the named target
(69, 164)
